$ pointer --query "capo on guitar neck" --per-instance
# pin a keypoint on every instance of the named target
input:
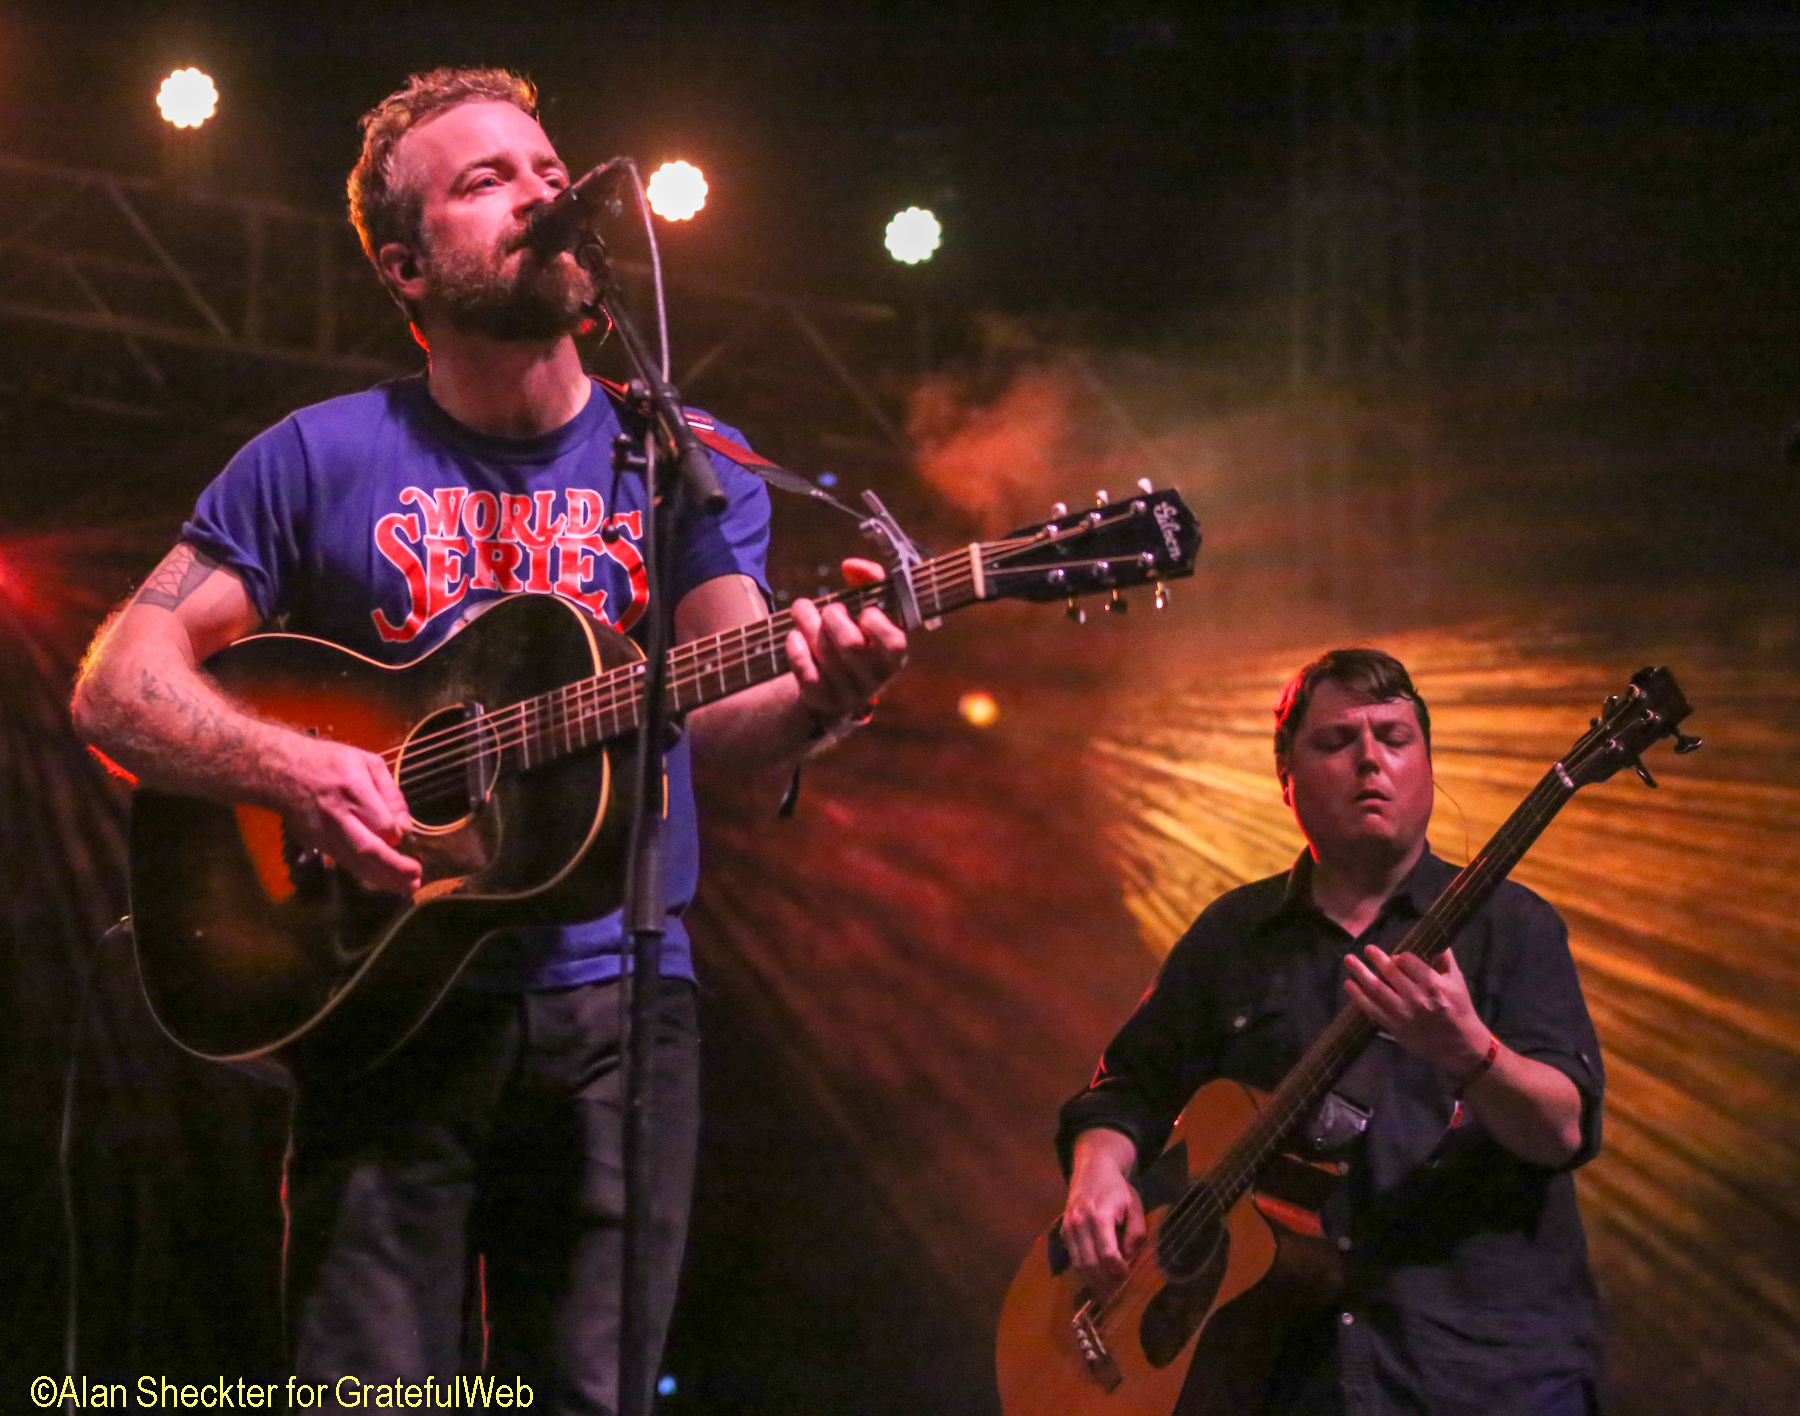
(902, 555)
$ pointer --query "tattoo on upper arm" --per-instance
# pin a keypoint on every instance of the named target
(181, 573)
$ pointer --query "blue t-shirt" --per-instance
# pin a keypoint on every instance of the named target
(378, 522)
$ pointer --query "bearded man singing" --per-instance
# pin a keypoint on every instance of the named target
(382, 522)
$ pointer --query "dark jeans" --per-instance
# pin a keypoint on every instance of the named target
(488, 1149)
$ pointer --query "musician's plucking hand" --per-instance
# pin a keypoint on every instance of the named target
(345, 802)
(1103, 1221)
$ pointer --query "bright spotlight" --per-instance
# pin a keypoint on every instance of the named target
(677, 190)
(913, 235)
(978, 709)
(187, 98)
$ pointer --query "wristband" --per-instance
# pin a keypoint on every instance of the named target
(828, 733)
(1479, 1070)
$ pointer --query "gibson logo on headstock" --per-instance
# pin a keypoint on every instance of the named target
(1167, 519)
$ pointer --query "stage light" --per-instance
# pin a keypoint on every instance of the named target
(913, 235)
(187, 98)
(978, 709)
(677, 190)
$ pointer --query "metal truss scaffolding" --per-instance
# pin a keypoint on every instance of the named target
(150, 300)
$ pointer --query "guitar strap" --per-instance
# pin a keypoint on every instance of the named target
(1345, 1113)
(771, 472)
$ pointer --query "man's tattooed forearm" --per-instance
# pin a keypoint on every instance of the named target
(181, 573)
(213, 745)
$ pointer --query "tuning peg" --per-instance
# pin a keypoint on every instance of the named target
(1145, 485)
(1058, 510)
(1685, 744)
(1162, 596)
(1644, 772)
(1102, 497)
(1117, 604)
(1076, 613)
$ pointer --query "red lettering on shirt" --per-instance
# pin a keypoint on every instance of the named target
(495, 564)
(443, 508)
(587, 509)
(392, 533)
(528, 522)
(505, 546)
(481, 516)
(577, 560)
(626, 553)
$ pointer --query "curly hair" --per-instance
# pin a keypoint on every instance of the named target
(1380, 676)
(381, 211)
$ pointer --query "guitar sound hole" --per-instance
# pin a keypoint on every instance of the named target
(448, 765)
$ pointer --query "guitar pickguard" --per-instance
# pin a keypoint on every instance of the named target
(1175, 1314)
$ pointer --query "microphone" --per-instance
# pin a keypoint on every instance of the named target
(558, 224)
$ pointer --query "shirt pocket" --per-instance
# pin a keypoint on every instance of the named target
(1256, 1042)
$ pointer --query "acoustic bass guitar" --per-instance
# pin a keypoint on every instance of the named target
(1235, 1250)
(502, 739)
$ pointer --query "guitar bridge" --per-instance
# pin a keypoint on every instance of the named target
(1094, 1354)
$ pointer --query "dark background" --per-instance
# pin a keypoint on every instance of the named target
(904, 981)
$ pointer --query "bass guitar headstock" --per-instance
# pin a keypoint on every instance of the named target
(1650, 709)
(1149, 537)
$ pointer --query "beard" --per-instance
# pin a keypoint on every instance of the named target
(540, 300)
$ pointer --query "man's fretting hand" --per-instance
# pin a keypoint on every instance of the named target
(1424, 1007)
(840, 664)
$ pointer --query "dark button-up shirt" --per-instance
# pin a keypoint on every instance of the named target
(1468, 1285)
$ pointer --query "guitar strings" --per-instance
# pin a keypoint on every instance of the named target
(933, 571)
(569, 711)
(932, 578)
(572, 708)
(1349, 1033)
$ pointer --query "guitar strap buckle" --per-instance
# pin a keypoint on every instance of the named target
(1341, 1119)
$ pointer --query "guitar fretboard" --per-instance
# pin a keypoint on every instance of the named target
(608, 706)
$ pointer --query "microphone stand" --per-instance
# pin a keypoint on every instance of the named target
(658, 404)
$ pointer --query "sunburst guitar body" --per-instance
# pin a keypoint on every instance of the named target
(256, 951)
(248, 945)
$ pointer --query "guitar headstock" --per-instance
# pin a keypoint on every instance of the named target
(1650, 709)
(1150, 536)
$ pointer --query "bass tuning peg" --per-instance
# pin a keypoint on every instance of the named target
(1076, 613)
(1102, 497)
(1117, 604)
(1685, 744)
(1058, 510)
(1162, 596)
(1145, 485)
(1644, 772)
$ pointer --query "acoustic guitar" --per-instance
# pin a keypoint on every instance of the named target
(1235, 1250)
(502, 740)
